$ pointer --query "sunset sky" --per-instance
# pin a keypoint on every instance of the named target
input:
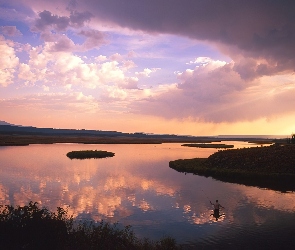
(193, 67)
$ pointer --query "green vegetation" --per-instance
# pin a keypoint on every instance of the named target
(88, 154)
(31, 227)
(207, 145)
(271, 167)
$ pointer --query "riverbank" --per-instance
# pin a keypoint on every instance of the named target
(271, 167)
(24, 140)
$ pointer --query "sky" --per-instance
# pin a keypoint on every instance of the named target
(190, 67)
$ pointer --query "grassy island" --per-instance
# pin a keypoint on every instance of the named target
(88, 154)
(272, 166)
(31, 227)
(207, 145)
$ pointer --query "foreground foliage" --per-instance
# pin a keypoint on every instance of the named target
(31, 227)
(87, 154)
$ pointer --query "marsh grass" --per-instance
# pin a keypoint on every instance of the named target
(88, 154)
(207, 145)
(268, 167)
(31, 227)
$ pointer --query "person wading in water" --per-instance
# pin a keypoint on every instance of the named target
(217, 206)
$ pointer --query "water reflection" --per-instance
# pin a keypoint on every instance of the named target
(137, 187)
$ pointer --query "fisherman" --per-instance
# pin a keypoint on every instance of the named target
(217, 206)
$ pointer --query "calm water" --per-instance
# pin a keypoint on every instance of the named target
(136, 187)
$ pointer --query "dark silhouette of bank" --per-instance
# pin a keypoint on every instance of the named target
(88, 154)
(267, 167)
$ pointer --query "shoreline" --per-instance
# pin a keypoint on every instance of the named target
(267, 167)
(27, 139)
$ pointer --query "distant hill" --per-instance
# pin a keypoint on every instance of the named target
(11, 129)
(8, 129)
(5, 123)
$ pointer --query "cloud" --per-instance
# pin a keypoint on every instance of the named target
(26, 74)
(116, 57)
(146, 72)
(61, 69)
(215, 92)
(261, 31)
(78, 19)
(10, 31)
(201, 61)
(8, 62)
(73, 102)
(258, 37)
(47, 20)
(128, 65)
(100, 58)
(62, 43)
(255, 29)
(50, 26)
(94, 39)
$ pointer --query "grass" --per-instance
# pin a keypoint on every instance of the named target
(27, 139)
(31, 227)
(207, 145)
(271, 167)
(88, 154)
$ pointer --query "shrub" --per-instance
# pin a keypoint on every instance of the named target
(31, 227)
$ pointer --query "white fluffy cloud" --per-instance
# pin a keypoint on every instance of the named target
(64, 69)
(25, 73)
(8, 62)
(146, 72)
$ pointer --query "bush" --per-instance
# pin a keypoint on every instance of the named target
(88, 154)
(31, 227)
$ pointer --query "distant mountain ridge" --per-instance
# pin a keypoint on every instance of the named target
(8, 128)
(5, 123)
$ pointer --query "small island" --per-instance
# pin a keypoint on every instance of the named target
(207, 145)
(270, 166)
(88, 154)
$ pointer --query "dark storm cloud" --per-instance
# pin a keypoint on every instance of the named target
(61, 23)
(258, 29)
(78, 19)
(10, 31)
(47, 19)
(48, 22)
(254, 29)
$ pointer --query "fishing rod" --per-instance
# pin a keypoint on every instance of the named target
(205, 195)
(209, 199)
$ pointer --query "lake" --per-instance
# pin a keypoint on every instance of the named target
(136, 187)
